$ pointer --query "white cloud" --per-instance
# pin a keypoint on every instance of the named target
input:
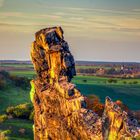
(11, 14)
(136, 10)
(79, 21)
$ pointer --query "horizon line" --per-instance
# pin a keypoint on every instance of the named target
(105, 61)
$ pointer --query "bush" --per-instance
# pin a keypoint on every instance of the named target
(20, 111)
(10, 110)
(4, 133)
(122, 105)
(84, 80)
(111, 71)
(6, 78)
(22, 82)
(130, 83)
(93, 103)
(3, 118)
(135, 82)
(2, 83)
(124, 82)
(4, 74)
(31, 117)
(112, 80)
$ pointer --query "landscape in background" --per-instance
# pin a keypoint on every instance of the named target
(94, 79)
(97, 31)
(115, 79)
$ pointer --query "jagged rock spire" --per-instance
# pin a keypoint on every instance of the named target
(60, 108)
(51, 56)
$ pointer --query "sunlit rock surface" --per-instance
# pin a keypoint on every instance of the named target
(60, 109)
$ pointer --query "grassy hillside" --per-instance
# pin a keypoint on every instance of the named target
(129, 93)
(127, 90)
(15, 125)
(10, 95)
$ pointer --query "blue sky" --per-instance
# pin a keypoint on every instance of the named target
(98, 30)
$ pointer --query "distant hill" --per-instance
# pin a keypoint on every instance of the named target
(15, 61)
(104, 63)
(77, 62)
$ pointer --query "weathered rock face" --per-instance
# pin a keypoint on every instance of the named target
(60, 109)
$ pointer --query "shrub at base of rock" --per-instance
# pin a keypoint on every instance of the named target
(3, 118)
(4, 134)
(20, 111)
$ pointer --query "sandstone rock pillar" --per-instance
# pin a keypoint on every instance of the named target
(60, 108)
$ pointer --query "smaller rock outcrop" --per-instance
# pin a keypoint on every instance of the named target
(60, 108)
(117, 124)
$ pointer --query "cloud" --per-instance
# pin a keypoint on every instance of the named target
(136, 10)
(135, 30)
(109, 11)
(80, 21)
(97, 10)
(12, 14)
(28, 15)
(1, 3)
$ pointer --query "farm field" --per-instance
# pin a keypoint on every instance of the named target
(126, 90)
(16, 65)
(26, 73)
(128, 93)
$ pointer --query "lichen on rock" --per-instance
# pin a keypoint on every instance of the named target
(60, 108)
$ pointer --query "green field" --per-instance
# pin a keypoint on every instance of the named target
(31, 66)
(28, 74)
(15, 125)
(12, 96)
(123, 89)
(17, 65)
(128, 93)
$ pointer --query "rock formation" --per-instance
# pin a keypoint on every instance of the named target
(60, 108)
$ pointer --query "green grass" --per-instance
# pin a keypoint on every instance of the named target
(31, 66)
(103, 80)
(13, 96)
(28, 74)
(90, 80)
(17, 65)
(128, 93)
(14, 125)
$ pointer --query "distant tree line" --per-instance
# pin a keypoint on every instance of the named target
(87, 70)
(6, 80)
(107, 71)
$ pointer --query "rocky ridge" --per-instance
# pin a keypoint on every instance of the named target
(60, 108)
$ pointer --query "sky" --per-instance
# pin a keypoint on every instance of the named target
(96, 30)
